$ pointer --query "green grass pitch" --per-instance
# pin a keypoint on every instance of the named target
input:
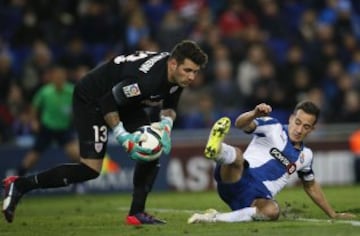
(104, 215)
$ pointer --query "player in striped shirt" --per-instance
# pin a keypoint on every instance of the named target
(248, 181)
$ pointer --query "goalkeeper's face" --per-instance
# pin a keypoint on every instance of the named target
(182, 74)
(300, 125)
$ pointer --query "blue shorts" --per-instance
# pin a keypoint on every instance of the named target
(241, 193)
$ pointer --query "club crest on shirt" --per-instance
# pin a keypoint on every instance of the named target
(98, 147)
(302, 158)
(131, 90)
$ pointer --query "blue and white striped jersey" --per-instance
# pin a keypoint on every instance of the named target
(273, 158)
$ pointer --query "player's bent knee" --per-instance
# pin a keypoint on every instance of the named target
(272, 211)
(89, 172)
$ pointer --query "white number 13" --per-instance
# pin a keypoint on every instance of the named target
(100, 133)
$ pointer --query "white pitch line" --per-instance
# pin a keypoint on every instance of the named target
(352, 222)
(187, 211)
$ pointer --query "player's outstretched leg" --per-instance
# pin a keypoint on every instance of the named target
(217, 134)
(12, 197)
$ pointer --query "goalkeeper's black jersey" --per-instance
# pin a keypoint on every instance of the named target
(137, 80)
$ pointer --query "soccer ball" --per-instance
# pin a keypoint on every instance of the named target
(152, 142)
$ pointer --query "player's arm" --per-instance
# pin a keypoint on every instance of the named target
(112, 119)
(128, 140)
(169, 113)
(245, 121)
(314, 191)
(167, 117)
(115, 98)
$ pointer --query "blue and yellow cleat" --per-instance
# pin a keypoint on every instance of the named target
(218, 132)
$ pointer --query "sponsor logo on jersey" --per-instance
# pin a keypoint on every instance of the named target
(173, 89)
(290, 167)
(146, 66)
(98, 147)
(131, 90)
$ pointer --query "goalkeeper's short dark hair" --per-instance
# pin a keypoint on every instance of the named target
(188, 49)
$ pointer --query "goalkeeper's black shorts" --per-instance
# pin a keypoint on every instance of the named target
(92, 129)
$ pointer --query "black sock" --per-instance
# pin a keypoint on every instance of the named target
(59, 176)
(144, 178)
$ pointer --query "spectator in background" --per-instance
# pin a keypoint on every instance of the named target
(28, 31)
(294, 60)
(350, 110)
(248, 68)
(225, 90)
(77, 73)
(7, 75)
(136, 30)
(196, 106)
(188, 9)
(7, 78)
(211, 42)
(301, 84)
(41, 58)
(316, 95)
(96, 23)
(170, 30)
(348, 46)
(19, 109)
(75, 55)
(155, 11)
(307, 27)
(219, 54)
(354, 66)
(5, 124)
(330, 86)
(272, 19)
(266, 88)
(234, 20)
(52, 119)
(202, 25)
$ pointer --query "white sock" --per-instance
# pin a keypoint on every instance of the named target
(242, 215)
(227, 154)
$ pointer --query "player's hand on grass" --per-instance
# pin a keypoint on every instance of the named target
(130, 142)
(344, 216)
(165, 126)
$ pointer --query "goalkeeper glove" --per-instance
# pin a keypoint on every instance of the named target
(130, 141)
(165, 126)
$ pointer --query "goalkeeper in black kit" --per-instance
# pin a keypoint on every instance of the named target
(114, 95)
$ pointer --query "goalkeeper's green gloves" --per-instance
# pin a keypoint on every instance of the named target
(165, 126)
(130, 142)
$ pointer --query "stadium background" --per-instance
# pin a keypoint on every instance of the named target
(271, 51)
